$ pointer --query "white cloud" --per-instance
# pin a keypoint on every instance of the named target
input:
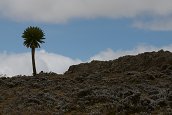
(57, 11)
(155, 25)
(20, 64)
(16, 64)
(109, 54)
(60, 11)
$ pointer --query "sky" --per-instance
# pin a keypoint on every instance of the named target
(78, 31)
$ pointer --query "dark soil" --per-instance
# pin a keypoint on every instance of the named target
(138, 84)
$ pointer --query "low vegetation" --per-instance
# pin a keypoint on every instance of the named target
(129, 85)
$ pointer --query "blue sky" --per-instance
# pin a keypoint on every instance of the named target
(83, 38)
(77, 31)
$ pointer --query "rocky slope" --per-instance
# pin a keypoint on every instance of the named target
(129, 85)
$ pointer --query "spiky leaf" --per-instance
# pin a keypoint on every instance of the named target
(33, 37)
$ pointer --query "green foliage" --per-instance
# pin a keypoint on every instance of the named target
(33, 37)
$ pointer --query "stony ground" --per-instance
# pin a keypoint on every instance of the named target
(138, 85)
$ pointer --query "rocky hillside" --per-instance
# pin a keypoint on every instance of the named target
(140, 84)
